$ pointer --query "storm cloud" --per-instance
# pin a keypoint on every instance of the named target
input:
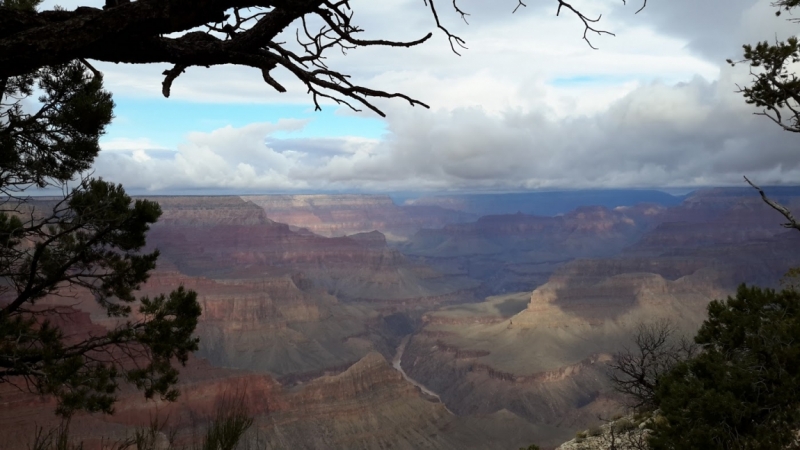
(529, 105)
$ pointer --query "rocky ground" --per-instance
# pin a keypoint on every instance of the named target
(622, 433)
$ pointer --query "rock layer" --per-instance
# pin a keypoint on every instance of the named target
(518, 252)
(367, 406)
(342, 215)
(546, 361)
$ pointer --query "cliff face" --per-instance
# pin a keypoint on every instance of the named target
(517, 252)
(279, 325)
(545, 360)
(341, 215)
(371, 406)
(240, 242)
(367, 406)
(291, 303)
(304, 323)
(586, 231)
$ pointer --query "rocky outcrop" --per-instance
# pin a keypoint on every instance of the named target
(367, 406)
(623, 433)
(389, 412)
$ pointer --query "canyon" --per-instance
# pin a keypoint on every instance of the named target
(354, 322)
(342, 215)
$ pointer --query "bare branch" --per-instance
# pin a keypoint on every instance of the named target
(454, 40)
(238, 32)
(792, 222)
(587, 22)
(635, 371)
(644, 4)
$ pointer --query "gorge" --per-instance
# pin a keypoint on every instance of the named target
(354, 322)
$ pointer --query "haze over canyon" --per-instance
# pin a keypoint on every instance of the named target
(449, 322)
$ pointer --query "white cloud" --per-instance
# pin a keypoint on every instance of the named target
(687, 134)
(529, 105)
(510, 59)
(129, 144)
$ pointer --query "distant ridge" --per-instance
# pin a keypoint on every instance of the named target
(775, 192)
(550, 203)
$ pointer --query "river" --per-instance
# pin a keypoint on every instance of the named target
(396, 364)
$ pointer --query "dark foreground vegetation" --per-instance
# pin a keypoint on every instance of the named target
(225, 431)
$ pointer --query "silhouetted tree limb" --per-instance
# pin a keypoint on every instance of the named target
(775, 86)
(205, 33)
(635, 371)
(88, 243)
(588, 23)
(792, 222)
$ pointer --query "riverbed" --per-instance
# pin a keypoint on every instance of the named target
(396, 364)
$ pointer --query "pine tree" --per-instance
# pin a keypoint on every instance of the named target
(88, 241)
(742, 391)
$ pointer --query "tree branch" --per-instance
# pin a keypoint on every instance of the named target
(792, 222)
(239, 32)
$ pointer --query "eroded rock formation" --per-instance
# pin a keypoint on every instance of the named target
(546, 360)
(342, 215)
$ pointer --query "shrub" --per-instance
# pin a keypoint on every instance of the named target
(623, 425)
(595, 431)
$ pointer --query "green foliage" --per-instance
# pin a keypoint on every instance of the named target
(90, 242)
(54, 439)
(623, 425)
(775, 87)
(791, 279)
(226, 431)
(60, 139)
(741, 391)
(595, 431)
(25, 5)
(530, 447)
(229, 425)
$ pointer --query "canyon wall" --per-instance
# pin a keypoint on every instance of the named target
(519, 252)
(237, 240)
(289, 302)
(367, 406)
(546, 360)
(341, 215)
(303, 303)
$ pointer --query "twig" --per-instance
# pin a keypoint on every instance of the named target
(777, 207)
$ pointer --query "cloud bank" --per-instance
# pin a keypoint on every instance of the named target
(528, 106)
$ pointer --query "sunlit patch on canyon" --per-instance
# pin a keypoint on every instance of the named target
(353, 321)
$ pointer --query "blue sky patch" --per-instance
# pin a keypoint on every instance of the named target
(166, 122)
(587, 80)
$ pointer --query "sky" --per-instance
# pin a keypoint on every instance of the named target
(527, 106)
